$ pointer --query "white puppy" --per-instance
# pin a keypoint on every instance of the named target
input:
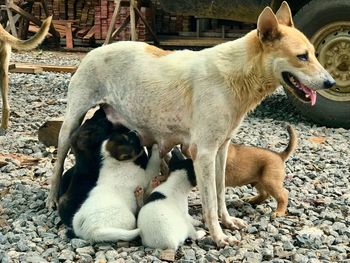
(164, 221)
(108, 214)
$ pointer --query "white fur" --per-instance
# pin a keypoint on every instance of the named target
(108, 214)
(165, 223)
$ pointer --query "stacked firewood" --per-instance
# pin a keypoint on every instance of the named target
(103, 17)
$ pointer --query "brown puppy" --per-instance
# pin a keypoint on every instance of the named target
(262, 168)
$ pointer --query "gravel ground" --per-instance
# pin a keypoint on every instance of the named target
(317, 228)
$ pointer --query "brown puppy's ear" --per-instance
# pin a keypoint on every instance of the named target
(284, 15)
(267, 26)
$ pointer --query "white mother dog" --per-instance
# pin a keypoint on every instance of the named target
(194, 98)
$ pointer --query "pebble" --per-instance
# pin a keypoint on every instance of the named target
(317, 178)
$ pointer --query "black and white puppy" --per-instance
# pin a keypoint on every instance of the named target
(164, 221)
(77, 182)
(108, 214)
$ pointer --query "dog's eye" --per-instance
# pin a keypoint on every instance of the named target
(303, 57)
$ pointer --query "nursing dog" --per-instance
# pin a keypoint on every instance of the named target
(194, 98)
(7, 42)
(263, 169)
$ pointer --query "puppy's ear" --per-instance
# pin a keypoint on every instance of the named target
(267, 26)
(284, 15)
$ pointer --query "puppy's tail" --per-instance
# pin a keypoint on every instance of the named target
(26, 44)
(293, 141)
(110, 234)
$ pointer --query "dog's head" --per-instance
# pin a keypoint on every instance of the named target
(290, 55)
(123, 144)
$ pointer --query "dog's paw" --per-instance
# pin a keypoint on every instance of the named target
(234, 223)
(51, 202)
(224, 240)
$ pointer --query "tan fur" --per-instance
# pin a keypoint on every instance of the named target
(262, 168)
(158, 52)
(7, 41)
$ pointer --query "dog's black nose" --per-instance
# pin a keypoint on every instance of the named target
(329, 83)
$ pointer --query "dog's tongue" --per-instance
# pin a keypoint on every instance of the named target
(311, 93)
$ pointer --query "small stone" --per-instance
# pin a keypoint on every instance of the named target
(298, 258)
(85, 250)
(85, 258)
(228, 252)
(252, 229)
(167, 255)
(66, 254)
(287, 245)
(189, 254)
(78, 243)
(111, 255)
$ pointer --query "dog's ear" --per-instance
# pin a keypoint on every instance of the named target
(267, 26)
(284, 15)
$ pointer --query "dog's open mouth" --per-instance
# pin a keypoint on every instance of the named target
(302, 92)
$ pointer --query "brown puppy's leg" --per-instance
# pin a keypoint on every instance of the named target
(5, 61)
(282, 202)
(261, 197)
(276, 190)
(220, 166)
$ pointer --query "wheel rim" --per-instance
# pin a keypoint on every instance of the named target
(332, 45)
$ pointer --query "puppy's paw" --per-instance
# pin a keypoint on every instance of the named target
(155, 182)
(278, 214)
(234, 223)
(139, 192)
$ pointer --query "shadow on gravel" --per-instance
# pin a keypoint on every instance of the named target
(279, 108)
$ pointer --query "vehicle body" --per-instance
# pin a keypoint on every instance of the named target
(325, 23)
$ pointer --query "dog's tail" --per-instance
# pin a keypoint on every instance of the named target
(110, 234)
(293, 141)
(26, 44)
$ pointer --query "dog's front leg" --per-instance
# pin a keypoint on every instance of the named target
(220, 167)
(70, 123)
(204, 166)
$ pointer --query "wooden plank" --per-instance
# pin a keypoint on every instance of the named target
(90, 34)
(69, 36)
(49, 68)
(112, 24)
(11, 19)
(30, 69)
(132, 20)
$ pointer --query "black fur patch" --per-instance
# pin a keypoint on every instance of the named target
(142, 161)
(77, 182)
(186, 165)
(154, 197)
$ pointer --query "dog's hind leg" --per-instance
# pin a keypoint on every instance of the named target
(4, 85)
(220, 164)
(72, 120)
